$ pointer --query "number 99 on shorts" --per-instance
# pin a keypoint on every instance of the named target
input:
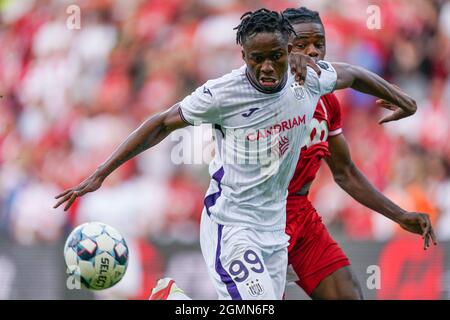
(240, 272)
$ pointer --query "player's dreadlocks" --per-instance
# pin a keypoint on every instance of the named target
(262, 20)
(302, 15)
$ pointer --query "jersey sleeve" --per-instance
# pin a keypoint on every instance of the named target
(200, 107)
(328, 77)
(335, 116)
(323, 84)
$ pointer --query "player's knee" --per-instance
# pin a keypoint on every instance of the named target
(337, 293)
(353, 294)
(351, 290)
(340, 285)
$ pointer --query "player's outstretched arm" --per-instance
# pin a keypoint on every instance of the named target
(360, 79)
(353, 181)
(148, 134)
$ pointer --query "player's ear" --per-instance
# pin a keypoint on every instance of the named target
(290, 46)
(243, 54)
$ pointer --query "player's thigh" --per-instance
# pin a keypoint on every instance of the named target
(342, 284)
(314, 256)
(276, 264)
(235, 265)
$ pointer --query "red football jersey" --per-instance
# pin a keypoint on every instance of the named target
(326, 123)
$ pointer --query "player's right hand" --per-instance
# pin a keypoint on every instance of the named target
(298, 63)
(89, 185)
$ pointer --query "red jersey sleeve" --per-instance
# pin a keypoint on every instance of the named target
(334, 111)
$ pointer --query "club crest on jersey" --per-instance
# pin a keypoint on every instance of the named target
(283, 145)
(255, 288)
(298, 90)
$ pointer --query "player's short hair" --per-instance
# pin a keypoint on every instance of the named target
(262, 20)
(302, 15)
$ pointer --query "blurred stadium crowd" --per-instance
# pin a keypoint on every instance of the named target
(70, 96)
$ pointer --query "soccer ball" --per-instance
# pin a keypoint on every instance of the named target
(97, 255)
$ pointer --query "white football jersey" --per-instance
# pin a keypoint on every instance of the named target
(258, 138)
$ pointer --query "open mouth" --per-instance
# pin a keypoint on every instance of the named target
(268, 82)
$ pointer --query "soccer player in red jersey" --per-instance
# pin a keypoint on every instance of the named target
(321, 268)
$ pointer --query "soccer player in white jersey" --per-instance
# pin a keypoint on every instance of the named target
(260, 114)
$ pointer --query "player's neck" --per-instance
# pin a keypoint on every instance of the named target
(257, 87)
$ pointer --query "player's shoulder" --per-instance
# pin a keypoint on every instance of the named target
(314, 81)
(229, 88)
(228, 80)
(325, 66)
(225, 85)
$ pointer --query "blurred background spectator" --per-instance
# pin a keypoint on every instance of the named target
(71, 95)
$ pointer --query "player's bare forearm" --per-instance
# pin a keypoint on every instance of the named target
(149, 133)
(349, 178)
(352, 181)
(360, 79)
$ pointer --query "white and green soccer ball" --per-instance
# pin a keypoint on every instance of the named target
(97, 255)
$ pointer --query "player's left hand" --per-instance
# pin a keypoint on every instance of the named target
(419, 223)
(298, 63)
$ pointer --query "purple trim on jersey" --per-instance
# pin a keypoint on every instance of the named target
(211, 199)
(218, 127)
(224, 276)
(182, 116)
